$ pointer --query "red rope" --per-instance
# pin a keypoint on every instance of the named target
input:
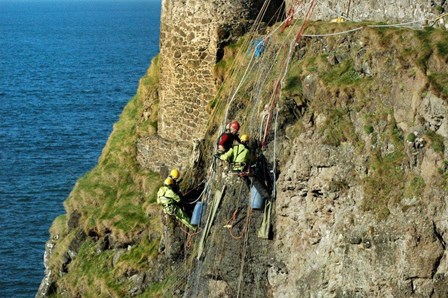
(284, 69)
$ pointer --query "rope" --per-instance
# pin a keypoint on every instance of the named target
(238, 87)
(202, 192)
(438, 18)
(233, 218)
(333, 34)
(399, 25)
(274, 190)
(305, 21)
(243, 256)
(275, 93)
(190, 235)
(285, 69)
(244, 48)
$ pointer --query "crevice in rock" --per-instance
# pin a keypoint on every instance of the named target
(439, 258)
(439, 236)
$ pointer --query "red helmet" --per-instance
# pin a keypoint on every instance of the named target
(235, 125)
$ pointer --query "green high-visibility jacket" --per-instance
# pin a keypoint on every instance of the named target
(239, 156)
(169, 199)
(167, 196)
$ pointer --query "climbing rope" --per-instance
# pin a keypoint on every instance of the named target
(190, 235)
(231, 221)
(243, 256)
(334, 34)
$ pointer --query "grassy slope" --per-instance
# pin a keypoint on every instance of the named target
(114, 197)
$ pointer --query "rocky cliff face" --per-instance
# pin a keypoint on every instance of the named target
(358, 149)
(382, 10)
(367, 217)
(361, 204)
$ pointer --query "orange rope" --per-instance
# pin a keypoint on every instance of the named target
(245, 226)
(190, 236)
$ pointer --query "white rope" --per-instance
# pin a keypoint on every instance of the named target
(243, 257)
(360, 28)
(396, 25)
(333, 34)
(274, 168)
(238, 87)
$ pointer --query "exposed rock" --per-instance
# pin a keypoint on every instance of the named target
(47, 285)
(137, 281)
(435, 112)
(73, 220)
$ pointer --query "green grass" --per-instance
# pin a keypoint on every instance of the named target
(443, 171)
(111, 195)
(425, 49)
(411, 137)
(338, 128)
(138, 256)
(439, 83)
(436, 141)
(342, 74)
(414, 187)
(368, 129)
(293, 83)
(442, 48)
(91, 274)
(59, 226)
(386, 180)
(384, 184)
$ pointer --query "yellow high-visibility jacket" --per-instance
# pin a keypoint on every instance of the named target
(238, 156)
(167, 196)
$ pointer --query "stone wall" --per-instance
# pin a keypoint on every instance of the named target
(191, 35)
(377, 10)
(155, 152)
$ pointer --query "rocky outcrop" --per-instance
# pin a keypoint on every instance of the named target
(329, 246)
(343, 229)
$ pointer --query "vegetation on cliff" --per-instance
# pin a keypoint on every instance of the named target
(345, 89)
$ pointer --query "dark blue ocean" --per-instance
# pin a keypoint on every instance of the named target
(67, 68)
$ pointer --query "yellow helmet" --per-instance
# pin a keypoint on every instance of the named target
(174, 174)
(168, 181)
(244, 138)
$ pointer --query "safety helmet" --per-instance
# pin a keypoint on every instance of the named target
(244, 138)
(174, 173)
(168, 181)
(235, 125)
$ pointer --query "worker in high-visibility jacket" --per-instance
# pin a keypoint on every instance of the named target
(174, 174)
(170, 200)
(239, 156)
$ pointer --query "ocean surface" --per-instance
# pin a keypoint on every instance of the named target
(67, 68)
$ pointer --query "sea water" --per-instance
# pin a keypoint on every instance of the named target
(67, 68)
